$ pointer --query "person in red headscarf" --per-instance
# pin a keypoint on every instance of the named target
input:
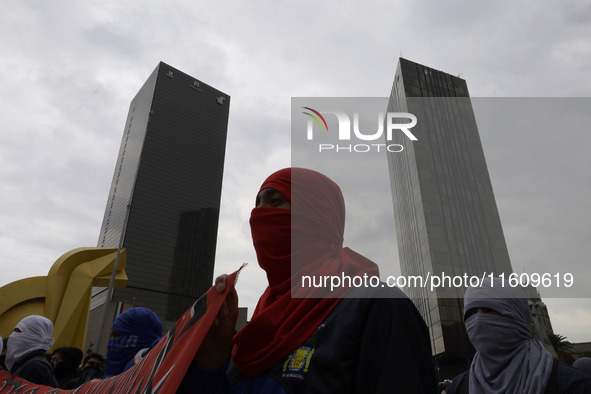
(310, 339)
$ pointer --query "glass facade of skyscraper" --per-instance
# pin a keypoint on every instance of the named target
(169, 172)
(447, 221)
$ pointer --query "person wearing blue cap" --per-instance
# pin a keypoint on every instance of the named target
(133, 334)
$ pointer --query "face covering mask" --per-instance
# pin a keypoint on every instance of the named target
(485, 330)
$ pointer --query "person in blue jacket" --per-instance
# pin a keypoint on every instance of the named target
(302, 338)
(508, 359)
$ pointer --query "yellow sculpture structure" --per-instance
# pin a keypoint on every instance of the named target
(63, 296)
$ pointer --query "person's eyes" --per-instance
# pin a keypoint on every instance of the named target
(471, 312)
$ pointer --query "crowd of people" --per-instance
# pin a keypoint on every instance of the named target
(25, 351)
(304, 340)
(25, 354)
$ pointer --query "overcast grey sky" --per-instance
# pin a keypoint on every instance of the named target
(70, 69)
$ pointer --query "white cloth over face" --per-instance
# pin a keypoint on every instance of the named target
(507, 359)
(35, 334)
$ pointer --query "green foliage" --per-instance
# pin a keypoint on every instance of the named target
(563, 348)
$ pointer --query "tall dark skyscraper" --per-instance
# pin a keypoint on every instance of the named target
(169, 172)
(446, 215)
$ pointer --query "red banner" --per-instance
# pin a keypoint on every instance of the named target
(162, 370)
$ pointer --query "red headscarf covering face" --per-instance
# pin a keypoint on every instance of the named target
(306, 240)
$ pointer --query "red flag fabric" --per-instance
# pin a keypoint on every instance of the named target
(306, 240)
(163, 369)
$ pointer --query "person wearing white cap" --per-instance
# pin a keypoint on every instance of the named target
(508, 359)
(26, 350)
